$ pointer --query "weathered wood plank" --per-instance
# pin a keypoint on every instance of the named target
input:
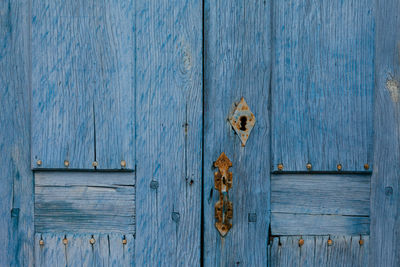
(83, 84)
(321, 194)
(344, 251)
(16, 179)
(310, 224)
(107, 250)
(322, 84)
(169, 132)
(85, 202)
(237, 60)
(385, 195)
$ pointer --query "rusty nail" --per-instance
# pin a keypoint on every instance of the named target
(41, 242)
(66, 163)
(339, 167)
(309, 166)
(366, 166)
(65, 241)
(94, 164)
(123, 163)
(39, 162)
(124, 241)
(301, 242)
(92, 241)
(330, 242)
(361, 242)
(280, 166)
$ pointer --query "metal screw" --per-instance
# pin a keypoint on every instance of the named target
(301, 242)
(65, 241)
(123, 163)
(41, 242)
(94, 164)
(330, 242)
(339, 167)
(309, 166)
(92, 241)
(39, 162)
(361, 242)
(280, 166)
(66, 163)
(366, 166)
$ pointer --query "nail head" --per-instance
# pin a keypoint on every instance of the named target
(366, 166)
(339, 167)
(330, 242)
(92, 241)
(123, 163)
(361, 242)
(280, 166)
(66, 163)
(65, 241)
(39, 162)
(309, 166)
(124, 241)
(301, 242)
(41, 242)
(94, 164)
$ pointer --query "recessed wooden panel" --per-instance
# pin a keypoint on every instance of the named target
(322, 85)
(84, 202)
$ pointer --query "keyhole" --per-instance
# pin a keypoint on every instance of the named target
(223, 180)
(243, 122)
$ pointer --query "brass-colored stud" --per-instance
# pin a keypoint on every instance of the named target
(65, 241)
(280, 166)
(361, 242)
(309, 166)
(339, 167)
(92, 241)
(366, 166)
(94, 164)
(330, 242)
(124, 241)
(39, 162)
(123, 163)
(66, 163)
(41, 242)
(301, 242)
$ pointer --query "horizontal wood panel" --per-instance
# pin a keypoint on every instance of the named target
(321, 194)
(344, 251)
(309, 224)
(322, 85)
(85, 202)
(108, 250)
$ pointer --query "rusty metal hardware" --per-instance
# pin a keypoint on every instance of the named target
(242, 121)
(223, 182)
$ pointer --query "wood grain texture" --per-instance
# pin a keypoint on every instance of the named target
(322, 84)
(169, 132)
(84, 202)
(311, 224)
(83, 83)
(108, 250)
(321, 194)
(16, 179)
(385, 195)
(344, 251)
(237, 60)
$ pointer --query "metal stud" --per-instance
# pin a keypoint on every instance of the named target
(92, 241)
(309, 166)
(330, 242)
(65, 241)
(339, 167)
(39, 162)
(301, 242)
(123, 163)
(124, 241)
(280, 166)
(94, 164)
(66, 163)
(41, 242)
(361, 242)
(366, 166)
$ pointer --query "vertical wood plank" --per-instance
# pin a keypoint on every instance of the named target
(52, 252)
(385, 183)
(322, 85)
(16, 179)
(169, 132)
(237, 60)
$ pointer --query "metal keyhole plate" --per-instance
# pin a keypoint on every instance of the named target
(242, 121)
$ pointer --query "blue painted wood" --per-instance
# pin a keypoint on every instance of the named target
(107, 250)
(344, 251)
(314, 224)
(322, 84)
(237, 61)
(342, 194)
(169, 132)
(385, 193)
(16, 180)
(85, 202)
(82, 84)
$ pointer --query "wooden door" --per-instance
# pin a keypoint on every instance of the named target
(114, 114)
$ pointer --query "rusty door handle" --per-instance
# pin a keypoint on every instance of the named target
(223, 182)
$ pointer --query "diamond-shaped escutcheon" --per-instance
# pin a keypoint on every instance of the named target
(242, 120)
